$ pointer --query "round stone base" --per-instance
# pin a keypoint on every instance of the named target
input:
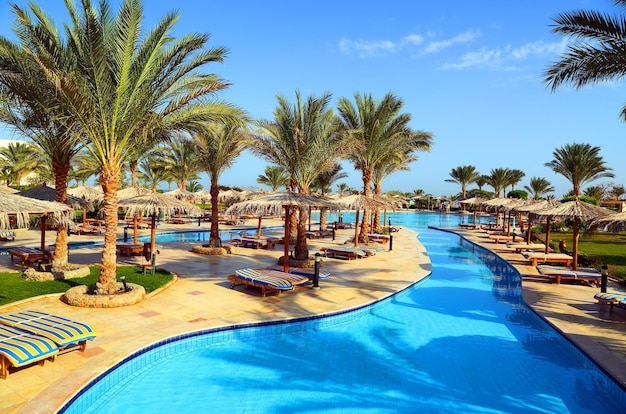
(205, 249)
(72, 271)
(304, 263)
(87, 296)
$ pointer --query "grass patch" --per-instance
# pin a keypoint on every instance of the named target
(13, 287)
(603, 248)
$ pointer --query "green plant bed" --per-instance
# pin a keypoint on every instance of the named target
(13, 287)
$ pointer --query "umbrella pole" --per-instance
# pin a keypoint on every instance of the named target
(575, 245)
(42, 224)
(548, 235)
(309, 218)
(286, 241)
(135, 230)
(356, 231)
(528, 227)
(84, 217)
(258, 230)
(153, 234)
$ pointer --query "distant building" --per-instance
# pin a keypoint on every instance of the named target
(620, 204)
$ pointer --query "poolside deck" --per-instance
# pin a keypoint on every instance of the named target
(201, 299)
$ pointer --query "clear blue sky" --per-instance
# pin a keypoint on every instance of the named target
(469, 72)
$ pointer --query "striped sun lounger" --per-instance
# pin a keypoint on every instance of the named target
(267, 280)
(609, 298)
(19, 348)
(306, 272)
(63, 332)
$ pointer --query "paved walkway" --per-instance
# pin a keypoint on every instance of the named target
(201, 299)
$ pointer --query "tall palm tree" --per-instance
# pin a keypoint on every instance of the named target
(219, 146)
(130, 85)
(302, 139)
(538, 186)
(595, 51)
(616, 191)
(463, 175)
(324, 183)
(579, 164)
(379, 129)
(274, 177)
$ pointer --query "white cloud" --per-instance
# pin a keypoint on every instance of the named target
(502, 58)
(436, 46)
(366, 48)
(482, 58)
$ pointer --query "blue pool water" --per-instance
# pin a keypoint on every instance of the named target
(460, 341)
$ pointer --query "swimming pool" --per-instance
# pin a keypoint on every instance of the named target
(460, 341)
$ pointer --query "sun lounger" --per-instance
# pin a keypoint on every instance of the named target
(254, 242)
(7, 235)
(344, 253)
(380, 238)
(306, 272)
(129, 249)
(522, 247)
(621, 304)
(19, 348)
(559, 273)
(470, 226)
(63, 332)
(27, 254)
(609, 298)
(273, 281)
(536, 258)
(175, 220)
(88, 229)
(499, 239)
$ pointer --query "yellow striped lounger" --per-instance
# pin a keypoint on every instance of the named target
(266, 281)
(18, 348)
(63, 332)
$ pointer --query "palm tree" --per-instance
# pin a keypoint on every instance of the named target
(463, 175)
(219, 146)
(324, 183)
(481, 181)
(379, 130)
(274, 177)
(616, 191)
(130, 85)
(579, 164)
(538, 186)
(194, 186)
(301, 139)
(343, 188)
(499, 178)
(595, 191)
(20, 159)
(150, 170)
(515, 176)
(594, 53)
(182, 161)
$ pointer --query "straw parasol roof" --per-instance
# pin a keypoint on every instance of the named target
(181, 194)
(46, 193)
(473, 201)
(230, 196)
(86, 192)
(614, 222)
(131, 192)
(20, 207)
(361, 202)
(7, 190)
(536, 205)
(203, 194)
(273, 203)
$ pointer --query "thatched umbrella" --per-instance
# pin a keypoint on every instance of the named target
(46, 193)
(359, 202)
(475, 202)
(20, 208)
(203, 195)
(510, 209)
(575, 210)
(497, 204)
(154, 204)
(87, 192)
(181, 194)
(391, 202)
(273, 203)
(131, 192)
(537, 205)
(614, 222)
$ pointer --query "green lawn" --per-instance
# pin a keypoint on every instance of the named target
(601, 248)
(13, 287)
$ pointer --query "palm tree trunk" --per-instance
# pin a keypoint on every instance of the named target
(110, 181)
(134, 168)
(367, 179)
(214, 238)
(60, 183)
(323, 219)
(301, 250)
